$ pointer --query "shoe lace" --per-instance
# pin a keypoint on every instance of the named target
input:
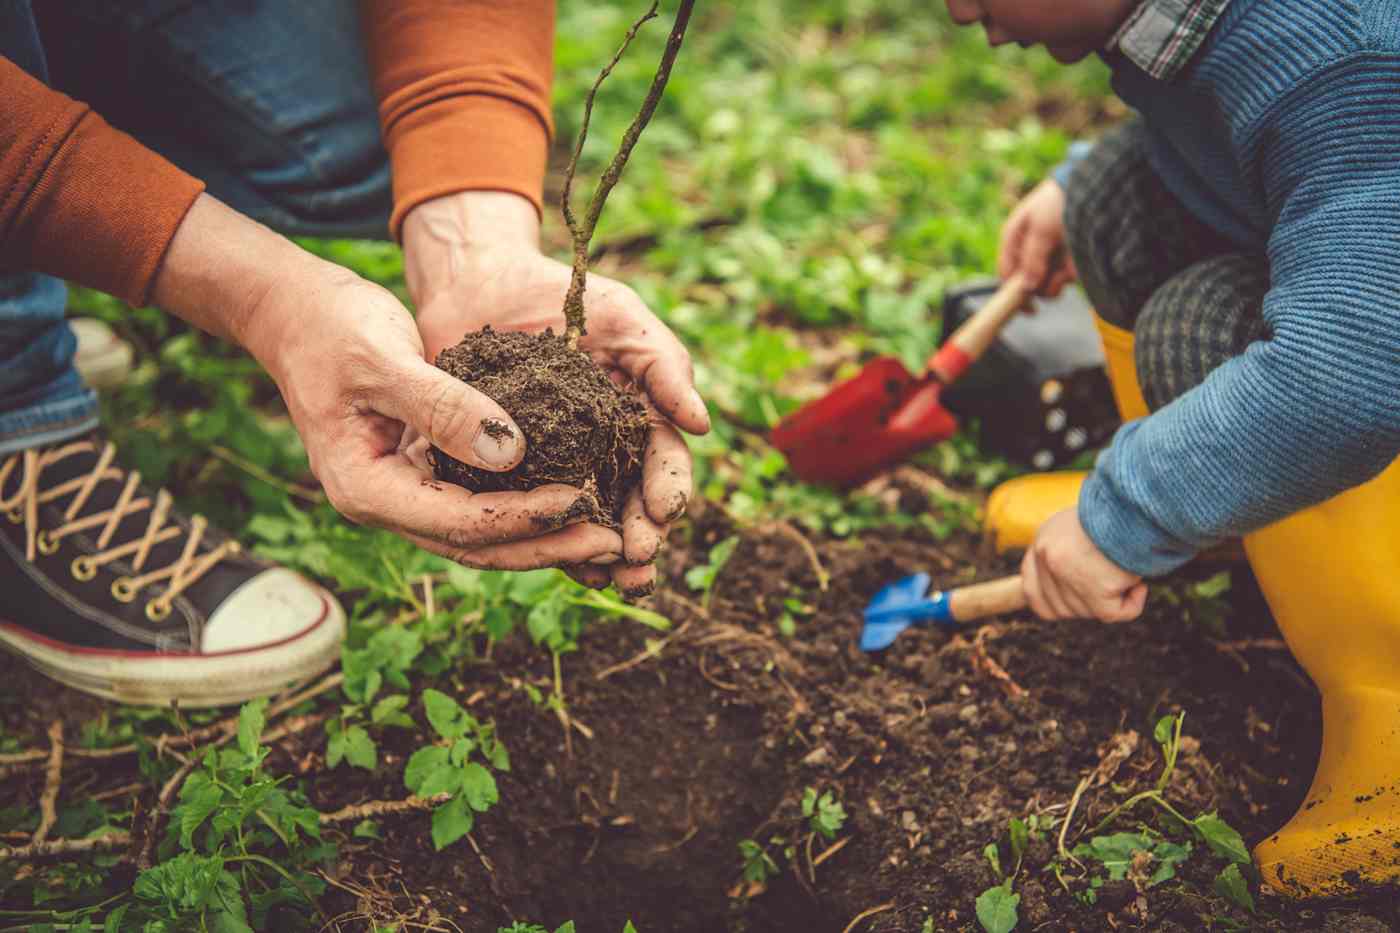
(23, 506)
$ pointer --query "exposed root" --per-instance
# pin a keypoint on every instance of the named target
(58, 850)
(373, 808)
(52, 779)
(988, 665)
(653, 651)
(790, 530)
(868, 913)
(831, 850)
(1234, 650)
(1069, 817)
(172, 787)
(714, 681)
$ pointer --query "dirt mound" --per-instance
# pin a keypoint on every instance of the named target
(580, 428)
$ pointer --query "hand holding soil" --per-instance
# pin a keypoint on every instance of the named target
(472, 261)
(349, 362)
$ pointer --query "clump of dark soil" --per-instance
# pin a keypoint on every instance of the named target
(581, 429)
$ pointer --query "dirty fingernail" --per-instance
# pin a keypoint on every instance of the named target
(604, 559)
(497, 444)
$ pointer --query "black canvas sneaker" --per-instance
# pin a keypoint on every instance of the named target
(105, 587)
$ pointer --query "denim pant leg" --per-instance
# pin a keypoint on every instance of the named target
(41, 397)
(268, 102)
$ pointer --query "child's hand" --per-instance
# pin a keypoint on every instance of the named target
(1033, 241)
(1066, 576)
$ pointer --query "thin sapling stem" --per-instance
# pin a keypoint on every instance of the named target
(581, 231)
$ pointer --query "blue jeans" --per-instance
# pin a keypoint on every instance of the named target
(268, 102)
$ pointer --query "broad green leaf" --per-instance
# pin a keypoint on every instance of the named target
(251, 720)
(366, 829)
(460, 750)
(1169, 855)
(424, 762)
(335, 749)
(451, 822)
(1222, 838)
(1231, 884)
(113, 923)
(545, 621)
(360, 750)
(479, 787)
(629, 928)
(195, 809)
(568, 927)
(1115, 852)
(498, 756)
(444, 714)
(996, 908)
(389, 712)
(444, 780)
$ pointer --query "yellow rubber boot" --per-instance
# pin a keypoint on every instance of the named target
(1331, 575)
(1018, 507)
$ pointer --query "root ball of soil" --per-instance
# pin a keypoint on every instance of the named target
(580, 428)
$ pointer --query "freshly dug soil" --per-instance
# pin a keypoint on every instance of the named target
(580, 428)
(715, 737)
(686, 744)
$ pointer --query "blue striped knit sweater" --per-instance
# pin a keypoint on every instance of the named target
(1284, 135)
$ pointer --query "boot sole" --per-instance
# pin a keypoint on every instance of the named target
(191, 681)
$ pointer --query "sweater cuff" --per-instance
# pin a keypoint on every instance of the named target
(1125, 533)
(1075, 155)
(103, 211)
(473, 143)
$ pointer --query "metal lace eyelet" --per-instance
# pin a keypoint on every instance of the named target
(122, 590)
(14, 515)
(46, 543)
(83, 569)
(157, 611)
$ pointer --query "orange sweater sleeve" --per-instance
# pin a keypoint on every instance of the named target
(463, 88)
(79, 199)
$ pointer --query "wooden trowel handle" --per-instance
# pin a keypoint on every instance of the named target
(979, 600)
(976, 334)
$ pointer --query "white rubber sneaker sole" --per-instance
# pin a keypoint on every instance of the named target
(102, 358)
(216, 679)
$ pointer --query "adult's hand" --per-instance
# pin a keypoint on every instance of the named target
(1066, 576)
(473, 259)
(349, 362)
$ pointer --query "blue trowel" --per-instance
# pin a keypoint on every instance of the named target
(908, 602)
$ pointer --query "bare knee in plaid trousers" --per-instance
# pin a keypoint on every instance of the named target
(1191, 298)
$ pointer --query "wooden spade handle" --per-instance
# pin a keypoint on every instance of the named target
(976, 334)
(979, 600)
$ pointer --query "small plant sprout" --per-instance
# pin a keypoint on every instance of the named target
(581, 231)
(758, 864)
(824, 814)
(445, 768)
(702, 577)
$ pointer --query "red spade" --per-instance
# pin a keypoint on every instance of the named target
(884, 413)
